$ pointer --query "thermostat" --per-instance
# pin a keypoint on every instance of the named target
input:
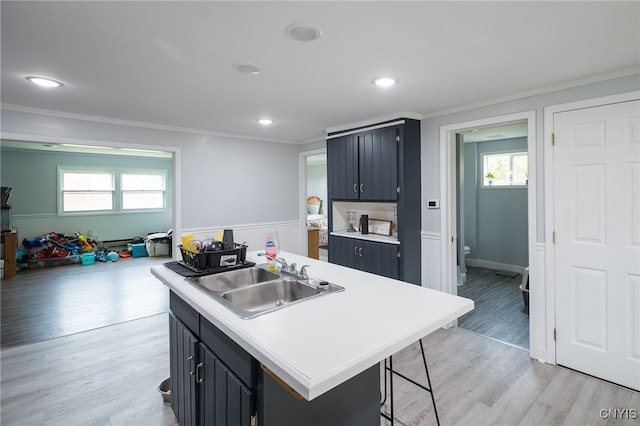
(433, 204)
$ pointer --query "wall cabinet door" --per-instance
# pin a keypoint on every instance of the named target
(378, 164)
(342, 168)
(363, 166)
(224, 399)
(368, 256)
(183, 360)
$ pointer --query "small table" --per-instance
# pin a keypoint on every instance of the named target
(10, 241)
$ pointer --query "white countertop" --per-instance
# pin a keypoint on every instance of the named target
(318, 344)
(369, 237)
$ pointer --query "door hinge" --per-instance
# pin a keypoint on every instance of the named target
(555, 335)
(398, 138)
(254, 419)
(553, 237)
(398, 254)
(553, 139)
(398, 189)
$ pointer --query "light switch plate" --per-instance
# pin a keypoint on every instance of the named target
(433, 204)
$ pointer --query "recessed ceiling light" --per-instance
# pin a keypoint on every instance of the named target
(265, 121)
(303, 32)
(44, 82)
(246, 68)
(384, 81)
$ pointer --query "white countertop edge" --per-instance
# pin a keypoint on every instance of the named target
(367, 237)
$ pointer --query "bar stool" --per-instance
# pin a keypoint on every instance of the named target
(388, 368)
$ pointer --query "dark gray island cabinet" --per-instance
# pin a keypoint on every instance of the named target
(215, 382)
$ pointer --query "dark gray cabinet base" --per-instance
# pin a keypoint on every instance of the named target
(353, 403)
(368, 256)
(217, 383)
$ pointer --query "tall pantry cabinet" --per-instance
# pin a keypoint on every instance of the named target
(376, 166)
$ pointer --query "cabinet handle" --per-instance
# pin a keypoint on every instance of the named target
(355, 250)
(362, 187)
(199, 376)
(360, 252)
(189, 365)
(355, 187)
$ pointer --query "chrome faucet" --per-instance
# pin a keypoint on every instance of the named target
(289, 269)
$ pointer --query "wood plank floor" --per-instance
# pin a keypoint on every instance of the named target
(499, 307)
(109, 376)
(46, 303)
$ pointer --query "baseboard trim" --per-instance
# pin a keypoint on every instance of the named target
(480, 263)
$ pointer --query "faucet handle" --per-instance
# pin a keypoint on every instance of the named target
(285, 265)
(303, 272)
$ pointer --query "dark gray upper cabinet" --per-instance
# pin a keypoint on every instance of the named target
(342, 168)
(379, 164)
(355, 165)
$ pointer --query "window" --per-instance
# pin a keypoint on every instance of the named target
(111, 190)
(87, 191)
(142, 191)
(505, 169)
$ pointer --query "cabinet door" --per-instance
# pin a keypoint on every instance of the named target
(378, 258)
(368, 256)
(342, 252)
(183, 358)
(224, 399)
(342, 168)
(378, 164)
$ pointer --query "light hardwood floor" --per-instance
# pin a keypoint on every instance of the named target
(109, 376)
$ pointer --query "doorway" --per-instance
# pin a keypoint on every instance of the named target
(492, 248)
(451, 238)
(314, 232)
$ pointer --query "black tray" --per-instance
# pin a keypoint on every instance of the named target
(187, 271)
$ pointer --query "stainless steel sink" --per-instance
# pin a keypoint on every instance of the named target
(238, 278)
(259, 299)
(250, 292)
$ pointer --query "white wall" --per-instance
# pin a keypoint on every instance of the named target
(430, 137)
(495, 217)
(221, 182)
(317, 183)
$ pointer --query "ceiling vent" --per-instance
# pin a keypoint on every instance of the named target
(303, 32)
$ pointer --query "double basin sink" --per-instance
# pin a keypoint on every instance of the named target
(254, 291)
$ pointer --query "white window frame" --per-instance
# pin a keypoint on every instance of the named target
(117, 192)
(512, 154)
(122, 192)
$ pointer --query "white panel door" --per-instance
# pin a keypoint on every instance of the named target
(597, 250)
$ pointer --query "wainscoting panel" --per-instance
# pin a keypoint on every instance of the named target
(431, 277)
(254, 235)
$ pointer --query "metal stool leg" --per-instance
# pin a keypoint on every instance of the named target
(429, 389)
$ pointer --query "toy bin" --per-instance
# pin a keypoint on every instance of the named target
(139, 250)
(87, 258)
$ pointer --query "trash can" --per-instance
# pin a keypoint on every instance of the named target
(165, 389)
(524, 286)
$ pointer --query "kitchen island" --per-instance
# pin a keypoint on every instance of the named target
(322, 350)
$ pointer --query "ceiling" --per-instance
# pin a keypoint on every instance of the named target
(171, 64)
